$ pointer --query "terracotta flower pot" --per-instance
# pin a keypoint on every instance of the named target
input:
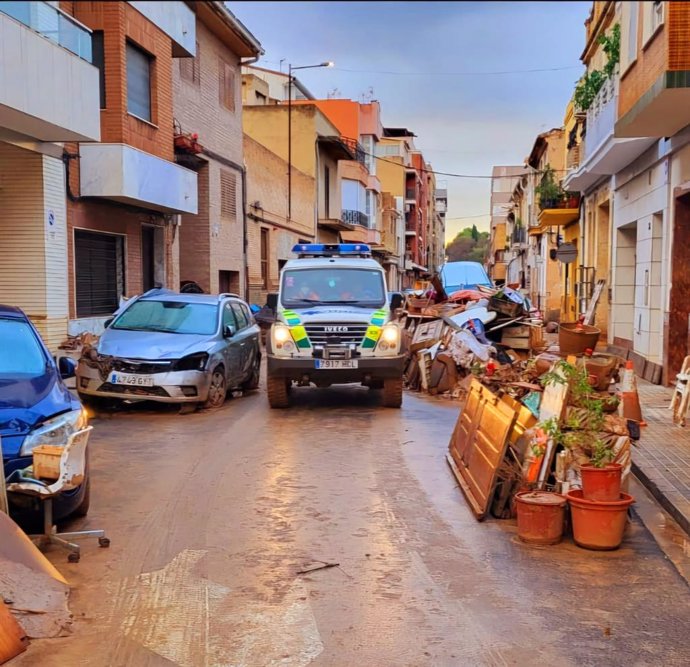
(601, 484)
(540, 517)
(600, 525)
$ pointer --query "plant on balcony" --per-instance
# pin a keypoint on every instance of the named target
(188, 143)
(549, 191)
(591, 83)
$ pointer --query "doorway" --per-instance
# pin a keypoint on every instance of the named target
(624, 286)
(228, 282)
(677, 346)
(148, 257)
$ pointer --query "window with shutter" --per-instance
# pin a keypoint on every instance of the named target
(138, 82)
(226, 85)
(190, 68)
(228, 195)
(99, 272)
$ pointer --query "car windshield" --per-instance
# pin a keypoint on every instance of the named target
(20, 353)
(359, 287)
(457, 275)
(175, 317)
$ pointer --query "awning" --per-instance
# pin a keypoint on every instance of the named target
(354, 236)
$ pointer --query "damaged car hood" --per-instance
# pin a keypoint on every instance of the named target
(153, 345)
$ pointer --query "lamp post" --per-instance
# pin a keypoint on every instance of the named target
(291, 69)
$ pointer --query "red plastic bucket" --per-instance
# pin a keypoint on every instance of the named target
(598, 525)
(601, 484)
(540, 517)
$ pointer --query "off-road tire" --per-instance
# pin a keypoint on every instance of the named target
(278, 392)
(392, 392)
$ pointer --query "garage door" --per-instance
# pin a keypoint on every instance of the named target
(100, 275)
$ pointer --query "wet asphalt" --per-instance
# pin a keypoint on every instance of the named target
(216, 519)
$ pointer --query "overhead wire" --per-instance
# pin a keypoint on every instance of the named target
(431, 73)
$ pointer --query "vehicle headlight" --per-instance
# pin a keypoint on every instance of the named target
(391, 334)
(192, 362)
(281, 333)
(55, 431)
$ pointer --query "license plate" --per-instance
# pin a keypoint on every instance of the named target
(131, 380)
(336, 363)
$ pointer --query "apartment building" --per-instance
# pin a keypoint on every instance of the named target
(503, 182)
(208, 139)
(126, 193)
(317, 148)
(41, 108)
(651, 235)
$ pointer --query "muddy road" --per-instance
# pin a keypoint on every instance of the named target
(214, 515)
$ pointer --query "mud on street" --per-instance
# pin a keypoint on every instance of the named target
(213, 515)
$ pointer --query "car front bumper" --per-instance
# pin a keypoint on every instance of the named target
(167, 387)
(368, 368)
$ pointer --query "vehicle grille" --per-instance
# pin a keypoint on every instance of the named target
(141, 367)
(318, 335)
(133, 391)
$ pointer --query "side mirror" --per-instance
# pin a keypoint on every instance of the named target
(397, 300)
(108, 322)
(272, 301)
(67, 367)
(228, 331)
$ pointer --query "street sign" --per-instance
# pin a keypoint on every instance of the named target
(566, 253)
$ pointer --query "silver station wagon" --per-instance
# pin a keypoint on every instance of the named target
(174, 348)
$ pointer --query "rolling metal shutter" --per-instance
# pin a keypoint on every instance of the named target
(99, 269)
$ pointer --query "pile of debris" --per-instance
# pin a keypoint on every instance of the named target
(535, 433)
(482, 332)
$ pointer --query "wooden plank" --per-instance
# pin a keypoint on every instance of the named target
(13, 641)
(592, 307)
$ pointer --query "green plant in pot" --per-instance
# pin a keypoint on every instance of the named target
(549, 191)
(581, 431)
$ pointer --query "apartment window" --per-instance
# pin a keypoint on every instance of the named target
(264, 258)
(228, 195)
(190, 69)
(226, 85)
(327, 191)
(387, 150)
(630, 12)
(99, 265)
(652, 18)
(138, 82)
(98, 55)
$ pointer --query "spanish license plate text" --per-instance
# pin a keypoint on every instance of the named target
(328, 364)
(131, 380)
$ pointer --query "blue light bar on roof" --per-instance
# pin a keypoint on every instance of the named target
(332, 250)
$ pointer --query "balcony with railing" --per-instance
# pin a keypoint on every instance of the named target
(601, 153)
(518, 236)
(356, 149)
(353, 217)
(49, 87)
(411, 223)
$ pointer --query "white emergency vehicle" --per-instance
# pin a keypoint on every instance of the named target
(334, 325)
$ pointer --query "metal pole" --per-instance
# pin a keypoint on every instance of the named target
(289, 212)
(4, 505)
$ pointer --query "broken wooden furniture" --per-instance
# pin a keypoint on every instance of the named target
(71, 475)
(681, 394)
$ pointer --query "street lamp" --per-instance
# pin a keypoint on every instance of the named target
(291, 69)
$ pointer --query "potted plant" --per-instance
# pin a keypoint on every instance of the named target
(599, 509)
(549, 191)
(188, 143)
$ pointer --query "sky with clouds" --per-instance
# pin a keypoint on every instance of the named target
(452, 72)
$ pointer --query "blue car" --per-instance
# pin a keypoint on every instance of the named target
(36, 408)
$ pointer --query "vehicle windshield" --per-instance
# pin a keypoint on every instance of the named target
(459, 275)
(175, 317)
(20, 353)
(332, 285)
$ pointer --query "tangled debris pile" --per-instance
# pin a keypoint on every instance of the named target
(481, 332)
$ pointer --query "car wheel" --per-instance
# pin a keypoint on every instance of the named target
(392, 392)
(253, 381)
(218, 389)
(278, 390)
(85, 503)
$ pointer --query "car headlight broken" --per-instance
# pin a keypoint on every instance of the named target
(55, 431)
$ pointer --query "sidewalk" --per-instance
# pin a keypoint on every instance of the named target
(661, 459)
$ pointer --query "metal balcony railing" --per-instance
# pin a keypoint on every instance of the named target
(356, 148)
(410, 194)
(519, 235)
(352, 217)
(53, 24)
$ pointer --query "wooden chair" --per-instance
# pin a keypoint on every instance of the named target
(681, 393)
(72, 471)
